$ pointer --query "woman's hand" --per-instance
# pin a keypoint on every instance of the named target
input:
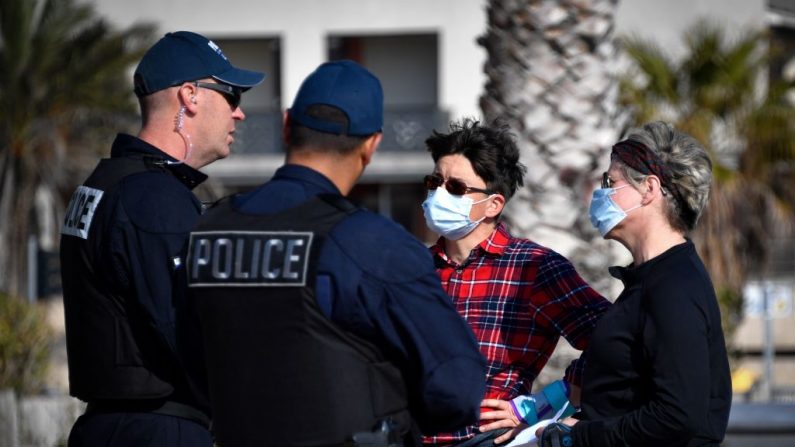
(502, 417)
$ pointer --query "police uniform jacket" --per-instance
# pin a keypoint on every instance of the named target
(377, 281)
(122, 244)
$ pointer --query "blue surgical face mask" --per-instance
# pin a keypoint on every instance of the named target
(448, 215)
(605, 213)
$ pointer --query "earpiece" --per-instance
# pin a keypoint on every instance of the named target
(193, 99)
(178, 122)
(179, 118)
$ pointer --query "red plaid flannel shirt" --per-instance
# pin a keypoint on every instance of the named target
(519, 298)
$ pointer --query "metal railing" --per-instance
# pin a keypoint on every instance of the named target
(784, 395)
(405, 130)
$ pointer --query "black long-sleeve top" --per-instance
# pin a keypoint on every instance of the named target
(657, 371)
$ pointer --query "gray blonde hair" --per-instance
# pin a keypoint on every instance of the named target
(689, 166)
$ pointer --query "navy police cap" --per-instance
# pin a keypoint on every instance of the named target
(347, 86)
(184, 56)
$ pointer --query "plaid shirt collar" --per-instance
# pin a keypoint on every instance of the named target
(494, 246)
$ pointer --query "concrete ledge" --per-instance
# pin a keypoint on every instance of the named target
(47, 420)
(9, 431)
(762, 418)
(36, 421)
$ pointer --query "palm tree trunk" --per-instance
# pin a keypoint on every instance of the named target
(550, 76)
(16, 197)
(7, 192)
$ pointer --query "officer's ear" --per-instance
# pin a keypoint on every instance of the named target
(369, 147)
(187, 96)
(286, 122)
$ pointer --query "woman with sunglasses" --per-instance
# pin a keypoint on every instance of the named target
(657, 369)
(518, 297)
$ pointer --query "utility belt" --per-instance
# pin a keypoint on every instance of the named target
(166, 408)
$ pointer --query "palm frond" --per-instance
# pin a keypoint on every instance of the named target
(751, 139)
(655, 66)
(60, 64)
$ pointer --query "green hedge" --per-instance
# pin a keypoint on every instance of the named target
(25, 343)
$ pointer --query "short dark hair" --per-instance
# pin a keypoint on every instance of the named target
(491, 149)
(304, 137)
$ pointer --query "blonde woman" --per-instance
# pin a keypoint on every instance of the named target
(657, 371)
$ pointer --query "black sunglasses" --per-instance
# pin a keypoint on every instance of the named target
(232, 94)
(452, 185)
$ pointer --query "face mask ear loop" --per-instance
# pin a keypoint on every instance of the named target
(633, 208)
(481, 201)
(616, 189)
(178, 125)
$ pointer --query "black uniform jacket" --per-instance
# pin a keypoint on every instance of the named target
(122, 248)
(657, 371)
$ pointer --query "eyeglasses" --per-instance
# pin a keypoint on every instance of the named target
(452, 185)
(232, 94)
(607, 182)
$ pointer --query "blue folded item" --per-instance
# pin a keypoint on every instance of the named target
(544, 405)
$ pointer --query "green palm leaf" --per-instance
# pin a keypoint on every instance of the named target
(711, 93)
(61, 66)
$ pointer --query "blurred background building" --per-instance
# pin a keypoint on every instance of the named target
(424, 52)
(427, 55)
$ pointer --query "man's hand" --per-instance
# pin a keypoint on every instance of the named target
(502, 417)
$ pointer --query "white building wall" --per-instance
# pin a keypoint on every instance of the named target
(665, 21)
(304, 25)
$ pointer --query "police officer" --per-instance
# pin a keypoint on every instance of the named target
(325, 323)
(122, 250)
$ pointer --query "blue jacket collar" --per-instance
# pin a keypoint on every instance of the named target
(127, 145)
(306, 174)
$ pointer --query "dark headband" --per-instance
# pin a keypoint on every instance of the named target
(642, 159)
